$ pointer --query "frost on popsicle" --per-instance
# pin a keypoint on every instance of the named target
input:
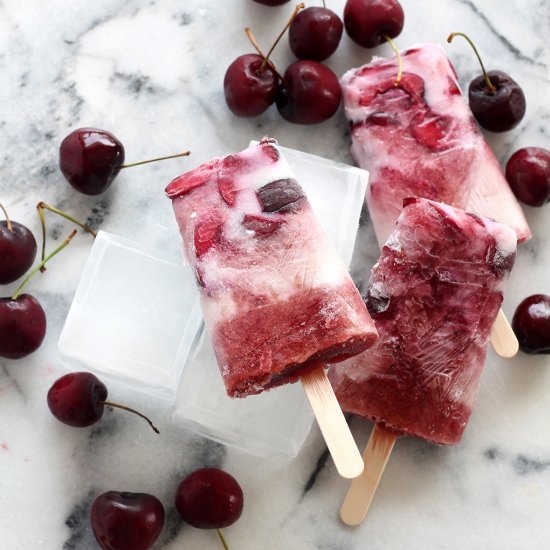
(434, 295)
(276, 298)
(419, 139)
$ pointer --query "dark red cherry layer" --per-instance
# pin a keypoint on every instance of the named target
(315, 33)
(528, 173)
(311, 93)
(531, 324)
(368, 22)
(127, 521)
(22, 326)
(17, 251)
(250, 85)
(90, 159)
(209, 499)
(271, 2)
(499, 110)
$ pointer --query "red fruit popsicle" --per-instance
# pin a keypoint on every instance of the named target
(418, 138)
(276, 297)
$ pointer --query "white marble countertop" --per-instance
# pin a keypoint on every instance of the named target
(151, 72)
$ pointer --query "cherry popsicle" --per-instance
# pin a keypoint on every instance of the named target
(417, 137)
(434, 295)
(278, 301)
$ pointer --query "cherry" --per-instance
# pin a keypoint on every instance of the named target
(91, 158)
(284, 195)
(78, 399)
(315, 33)
(209, 499)
(127, 521)
(496, 100)
(17, 249)
(528, 173)
(250, 86)
(369, 22)
(22, 319)
(531, 324)
(311, 93)
(272, 2)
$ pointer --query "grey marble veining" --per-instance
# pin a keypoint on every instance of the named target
(152, 73)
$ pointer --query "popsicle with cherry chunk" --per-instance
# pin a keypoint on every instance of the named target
(277, 300)
(434, 295)
(418, 138)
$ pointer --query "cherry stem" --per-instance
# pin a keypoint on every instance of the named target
(488, 83)
(124, 408)
(184, 154)
(324, 5)
(399, 60)
(41, 206)
(289, 22)
(41, 264)
(8, 221)
(222, 538)
(248, 33)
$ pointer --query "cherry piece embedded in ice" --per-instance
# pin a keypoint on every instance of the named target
(369, 22)
(496, 100)
(315, 33)
(528, 173)
(90, 159)
(311, 93)
(209, 499)
(531, 324)
(78, 399)
(271, 2)
(127, 521)
(250, 85)
(22, 326)
(17, 249)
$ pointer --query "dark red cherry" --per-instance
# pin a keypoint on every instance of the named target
(368, 22)
(271, 2)
(531, 324)
(497, 111)
(22, 326)
(78, 399)
(311, 93)
(249, 89)
(17, 251)
(315, 33)
(528, 173)
(127, 521)
(209, 499)
(90, 159)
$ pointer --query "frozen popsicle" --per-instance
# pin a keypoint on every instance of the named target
(277, 300)
(420, 139)
(434, 295)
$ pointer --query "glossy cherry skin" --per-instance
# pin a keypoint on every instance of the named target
(271, 2)
(90, 159)
(127, 521)
(249, 92)
(498, 111)
(531, 324)
(315, 33)
(311, 95)
(209, 499)
(17, 251)
(22, 326)
(528, 173)
(77, 399)
(368, 21)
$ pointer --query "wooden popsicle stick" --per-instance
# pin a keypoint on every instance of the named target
(503, 339)
(361, 491)
(333, 425)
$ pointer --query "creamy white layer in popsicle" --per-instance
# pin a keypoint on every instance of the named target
(419, 139)
(434, 295)
(277, 299)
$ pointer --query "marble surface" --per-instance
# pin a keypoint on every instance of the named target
(152, 73)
